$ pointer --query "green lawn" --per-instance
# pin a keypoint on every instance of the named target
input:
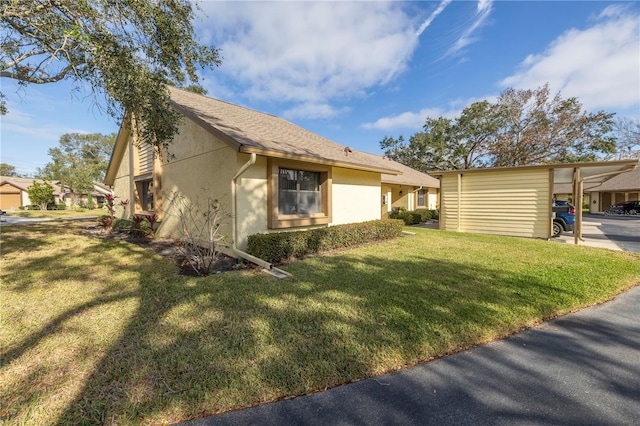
(101, 331)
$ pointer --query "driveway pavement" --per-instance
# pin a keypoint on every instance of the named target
(612, 232)
(17, 220)
(583, 368)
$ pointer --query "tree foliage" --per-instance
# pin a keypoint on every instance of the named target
(523, 127)
(41, 193)
(79, 161)
(627, 132)
(129, 49)
(7, 170)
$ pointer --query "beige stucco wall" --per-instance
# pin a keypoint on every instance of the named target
(122, 184)
(251, 211)
(356, 196)
(432, 199)
(515, 203)
(198, 167)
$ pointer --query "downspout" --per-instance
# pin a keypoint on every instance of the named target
(234, 223)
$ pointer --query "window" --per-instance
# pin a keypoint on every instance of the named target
(421, 193)
(299, 194)
(145, 195)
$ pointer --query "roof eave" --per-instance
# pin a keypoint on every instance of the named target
(316, 160)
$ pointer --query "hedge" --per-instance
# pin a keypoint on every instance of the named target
(279, 246)
(414, 217)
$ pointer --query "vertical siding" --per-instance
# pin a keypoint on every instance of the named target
(514, 203)
(145, 159)
(449, 202)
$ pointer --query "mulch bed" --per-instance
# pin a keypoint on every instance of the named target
(170, 248)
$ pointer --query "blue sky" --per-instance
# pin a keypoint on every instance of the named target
(355, 72)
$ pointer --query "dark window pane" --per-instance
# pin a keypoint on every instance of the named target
(299, 192)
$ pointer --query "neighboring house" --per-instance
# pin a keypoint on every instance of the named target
(13, 193)
(412, 190)
(602, 195)
(270, 174)
(515, 201)
(619, 189)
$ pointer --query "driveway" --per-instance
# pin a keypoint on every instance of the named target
(16, 220)
(582, 368)
(612, 232)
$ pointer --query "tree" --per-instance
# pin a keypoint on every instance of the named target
(41, 194)
(7, 170)
(523, 127)
(79, 161)
(627, 133)
(129, 49)
(537, 129)
(447, 144)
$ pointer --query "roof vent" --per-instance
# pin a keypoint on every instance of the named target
(347, 151)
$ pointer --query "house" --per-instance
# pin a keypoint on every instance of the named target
(271, 175)
(619, 189)
(13, 193)
(411, 190)
(599, 196)
(516, 201)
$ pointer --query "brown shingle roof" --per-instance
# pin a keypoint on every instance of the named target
(410, 176)
(252, 131)
(24, 183)
(629, 181)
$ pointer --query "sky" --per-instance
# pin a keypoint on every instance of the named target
(355, 72)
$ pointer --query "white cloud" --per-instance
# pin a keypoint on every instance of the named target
(483, 11)
(412, 120)
(313, 110)
(310, 53)
(408, 120)
(443, 4)
(599, 65)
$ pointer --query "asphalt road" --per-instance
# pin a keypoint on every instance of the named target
(583, 368)
(613, 232)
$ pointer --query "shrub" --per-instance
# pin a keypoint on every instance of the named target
(104, 221)
(425, 214)
(130, 227)
(414, 217)
(409, 218)
(279, 246)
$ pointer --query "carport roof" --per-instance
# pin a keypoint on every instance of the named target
(563, 173)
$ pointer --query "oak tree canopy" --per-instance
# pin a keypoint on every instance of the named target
(522, 127)
(128, 49)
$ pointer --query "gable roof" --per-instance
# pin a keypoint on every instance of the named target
(628, 181)
(24, 183)
(410, 176)
(250, 131)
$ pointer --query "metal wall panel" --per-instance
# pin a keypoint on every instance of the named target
(514, 203)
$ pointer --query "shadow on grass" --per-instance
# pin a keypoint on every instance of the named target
(206, 345)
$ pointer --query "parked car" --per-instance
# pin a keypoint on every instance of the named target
(630, 207)
(564, 217)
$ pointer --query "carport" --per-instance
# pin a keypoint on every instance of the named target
(516, 201)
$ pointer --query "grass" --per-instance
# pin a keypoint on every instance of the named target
(57, 214)
(101, 331)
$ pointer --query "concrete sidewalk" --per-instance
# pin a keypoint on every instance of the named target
(583, 368)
